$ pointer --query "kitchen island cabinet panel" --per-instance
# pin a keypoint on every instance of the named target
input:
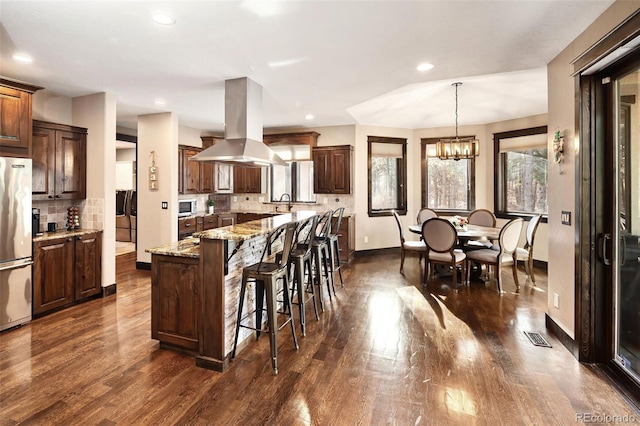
(175, 301)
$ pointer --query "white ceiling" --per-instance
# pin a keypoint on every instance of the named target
(345, 62)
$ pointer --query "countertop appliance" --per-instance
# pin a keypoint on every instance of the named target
(16, 259)
(187, 207)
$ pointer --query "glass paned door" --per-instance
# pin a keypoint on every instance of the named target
(627, 232)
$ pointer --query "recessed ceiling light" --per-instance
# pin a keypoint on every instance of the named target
(424, 67)
(309, 117)
(263, 8)
(160, 102)
(163, 18)
(22, 57)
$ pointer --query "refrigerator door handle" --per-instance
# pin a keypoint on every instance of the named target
(16, 266)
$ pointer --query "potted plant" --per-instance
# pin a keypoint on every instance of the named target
(210, 205)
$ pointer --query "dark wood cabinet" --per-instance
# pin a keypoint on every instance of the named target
(194, 177)
(300, 138)
(209, 221)
(53, 273)
(66, 270)
(59, 161)
(346, 238)
(247, 180)
(187, 226)
(332, 169)
(174, 282)
(15, 118)
(226, 219)
(88, 261)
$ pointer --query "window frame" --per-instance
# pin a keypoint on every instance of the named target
(424, 176)
(499, 173)
(402, 178)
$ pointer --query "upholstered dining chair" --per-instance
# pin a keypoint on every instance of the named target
(525, 253)
(440, 237)
(415, 246)
(424, 214)
(505, 253)
(481, 217)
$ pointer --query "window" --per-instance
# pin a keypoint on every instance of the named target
(296, 179)
(387, 175)
(521, 178)
(447, 185)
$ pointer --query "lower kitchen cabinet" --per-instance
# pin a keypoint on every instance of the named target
(174, 281)
(346, 237)
(66, 270)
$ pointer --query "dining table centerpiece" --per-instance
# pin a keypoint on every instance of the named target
(459, 222)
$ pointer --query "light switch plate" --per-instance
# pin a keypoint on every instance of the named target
(566, 218)
(165, 205)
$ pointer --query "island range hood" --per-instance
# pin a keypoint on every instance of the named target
(242, 144)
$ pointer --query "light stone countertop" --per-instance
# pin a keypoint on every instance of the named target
(188, 247)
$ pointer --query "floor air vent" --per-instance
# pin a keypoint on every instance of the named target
(537, 339)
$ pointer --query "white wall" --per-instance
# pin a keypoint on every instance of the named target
(159, 133)
(562, 190)
(50, 107)
(98, 114)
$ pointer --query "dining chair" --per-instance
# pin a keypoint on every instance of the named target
(415, 246)
(480, 217)
(506, 253)
(525, 253)
(441, 237)
(424, 214)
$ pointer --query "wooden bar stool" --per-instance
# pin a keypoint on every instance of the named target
(266, 275)
(300, 260)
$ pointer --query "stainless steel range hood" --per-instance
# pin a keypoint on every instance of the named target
(242, 144)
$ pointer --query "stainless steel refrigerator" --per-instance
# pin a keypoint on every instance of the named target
(16, 256)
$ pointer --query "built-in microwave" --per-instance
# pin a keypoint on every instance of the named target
(187, 208)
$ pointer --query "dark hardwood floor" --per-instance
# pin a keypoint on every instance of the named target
(386, 351)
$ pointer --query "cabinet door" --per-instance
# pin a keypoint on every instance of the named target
(322, 171)
(71, 165)
(247, 179)
(52, 274)
(190, 172)
(43, 154)
(174, 300)
(206, 178)
(224, 177)
(15, 122)
(88, 274)
(226, 219)
(341, 171)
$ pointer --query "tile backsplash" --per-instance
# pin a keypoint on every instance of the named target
(91, 213)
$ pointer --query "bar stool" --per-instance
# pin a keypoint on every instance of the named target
(266, 275)
(300, 260)
(320, 253)
(334, 249)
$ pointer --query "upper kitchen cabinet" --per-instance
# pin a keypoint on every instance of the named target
(194, 177)
(301, 138)
(247, 180)
(15, 118)
(59, 154)
(332, 169)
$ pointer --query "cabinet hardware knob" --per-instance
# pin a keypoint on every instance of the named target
(50, 196)
(69, 239)
(187, 225)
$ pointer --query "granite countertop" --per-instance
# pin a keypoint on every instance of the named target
(248, 230)
(63, 233)
(188, 247)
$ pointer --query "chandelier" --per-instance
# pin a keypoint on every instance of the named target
(458, 148)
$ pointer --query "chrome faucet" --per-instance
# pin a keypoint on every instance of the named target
(289, 200)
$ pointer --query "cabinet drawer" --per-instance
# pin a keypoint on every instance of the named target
(187, 224)
(210, 221)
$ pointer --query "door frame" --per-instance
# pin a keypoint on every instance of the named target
(594, 290)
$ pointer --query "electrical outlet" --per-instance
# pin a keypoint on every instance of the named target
(235, 199)
(325, 200)
(165, 205)
(261, 199)
(556, 300)
(366, 239)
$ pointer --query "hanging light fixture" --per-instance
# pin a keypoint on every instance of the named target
(458, 148)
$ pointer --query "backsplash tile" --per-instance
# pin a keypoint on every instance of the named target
(91, 212)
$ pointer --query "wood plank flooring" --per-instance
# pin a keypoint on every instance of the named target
(386, 351)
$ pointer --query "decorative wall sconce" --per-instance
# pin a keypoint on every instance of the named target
(558, 147)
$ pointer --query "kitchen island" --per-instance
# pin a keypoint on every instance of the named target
(195, 286)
